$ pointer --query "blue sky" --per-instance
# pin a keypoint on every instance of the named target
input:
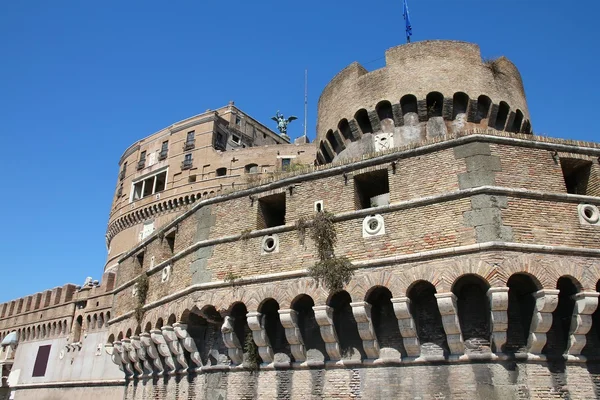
(80, 81)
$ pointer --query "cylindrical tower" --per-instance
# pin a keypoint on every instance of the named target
(426, 90)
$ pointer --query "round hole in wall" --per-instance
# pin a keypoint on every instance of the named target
(590, 213)
(269, 244)
(372, 224)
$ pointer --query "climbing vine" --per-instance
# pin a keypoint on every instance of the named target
(251, 351)
(331, 271)
(140, 296)
(301, 226)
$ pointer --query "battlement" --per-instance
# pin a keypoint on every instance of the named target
(427, 89)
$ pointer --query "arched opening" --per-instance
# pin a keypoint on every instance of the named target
(558, 336)
(111, 339)
(249, 169)
(275, 330)
(309, 329)
(526, 127)
(521, 305)
(120, 336)
(345, 325)
(159, 324)
(435, 104)
(148, 327)
(427, 317)
(363, 121)
(408, 103)
(335, 145)
(518, 121)
(128, 334)
(204, 326)
(460, 104)
(77, 329)
(344, 128)
(592, 339)
(221, 171)
(240, 324)
(325, 153)
(88, 324)
(172, 319)
(483, 108)
(473, 312)
(502, 116)
(100, 320)
(384, 319)
(384, 111)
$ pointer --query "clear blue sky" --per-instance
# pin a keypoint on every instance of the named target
(80, 81)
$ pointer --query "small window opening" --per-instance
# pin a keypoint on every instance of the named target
(187, 161)
(190, 136)
(221, 171)
(41, 360)
(372, 189)
(192, 178)
(363, 121)
(164, 150)
(483, 107)
(140, 260)
(517, 122)
(337, 147)
(271, 211)
(344, 128)
(251, 168)
(170, 240)
(238, 121)
(123, 171)
(460, 103)
(285, 164)
(325, 153)
(408, 103)
(236, 139)
(435, 104)
(220, 141)
(577, 174)
(502, 116)
(384, 110)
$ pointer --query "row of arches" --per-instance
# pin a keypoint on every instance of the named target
(40, 331)
(375, 326)
(479, 111)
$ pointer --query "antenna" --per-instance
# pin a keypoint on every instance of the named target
(305, 99)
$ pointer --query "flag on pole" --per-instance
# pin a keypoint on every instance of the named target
(407, 20)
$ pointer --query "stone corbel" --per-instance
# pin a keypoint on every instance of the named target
(175, 347)
(324, 317)
(152, 352)
(407, 326)
(187, 342)
(546, 301)
(118, 348)
(163, 349)
(141, 353)
(447, 306)
(498, 297)
(362, 315)
(581, 320)
(256, 322)
(231, 341)
(114, 356)
(131, 353)
(289, 320)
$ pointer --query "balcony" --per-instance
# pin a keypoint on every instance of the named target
(186, 164)
(189, 144)
(163, 154)
(141, 164)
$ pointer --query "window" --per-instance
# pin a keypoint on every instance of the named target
(189, 141)
(221, 171)
(150, 185)
(170, 241)
(238, 121)
(251, 168)
(140, 260)
(41, 360)
(235, 139)
(122, 174)
(120, 190)
(285, 163)
(164, 150)
(577, 174)
(192, 178)
(372, 189)
(142, 161)
(271, 211)
(220, 141)
(187, 162)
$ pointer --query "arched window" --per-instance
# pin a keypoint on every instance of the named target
(427, 317)
(77, 329)
(408, 103)
(558, 335)
(335, 145)
(521, 304)
(502, 116)
(518, 121)
(251, 168)
(345, 325)
(275, 330)
(460, 104)
(483, 108)
(435, 104)
(344, 128)
(309, 329)
(363, 121)
(384, 110)
(473, 311)
(221, 171)
(325, 153)
(384, 319)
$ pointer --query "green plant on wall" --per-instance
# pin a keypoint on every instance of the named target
(252, 359)
(332, 272)
(140, 296)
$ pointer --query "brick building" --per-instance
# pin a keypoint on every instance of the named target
(473, 245)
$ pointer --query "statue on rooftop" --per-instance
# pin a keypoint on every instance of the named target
(282, 122)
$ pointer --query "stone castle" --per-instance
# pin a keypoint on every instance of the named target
(474, 248)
